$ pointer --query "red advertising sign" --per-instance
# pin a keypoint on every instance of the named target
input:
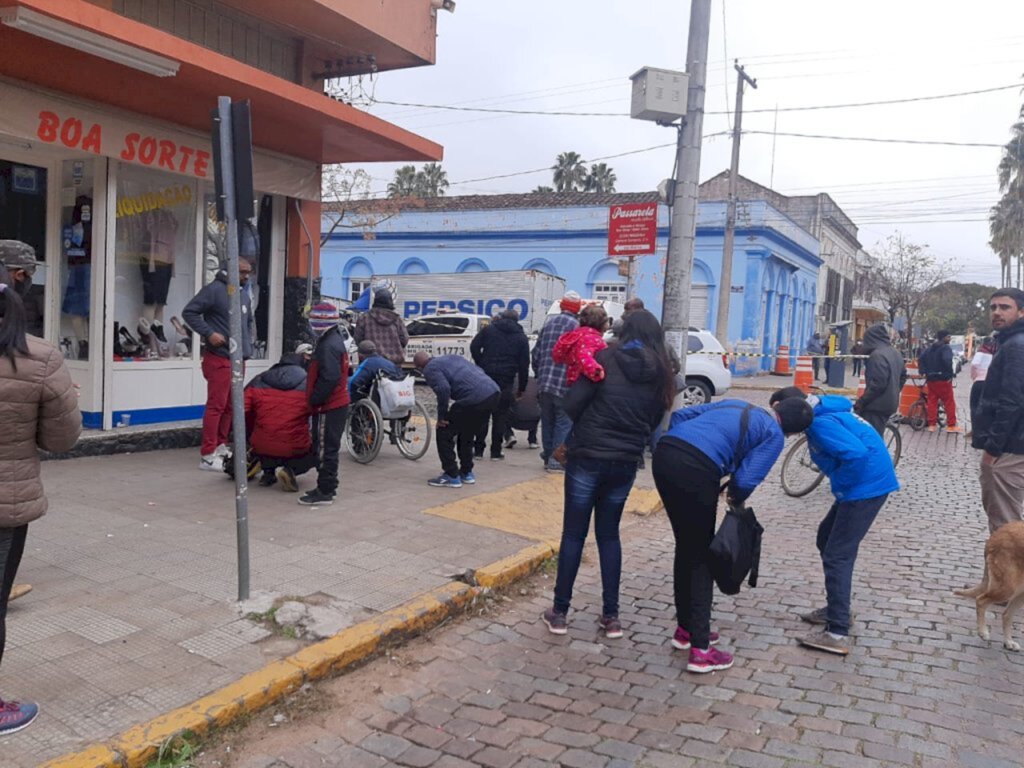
(632, 229)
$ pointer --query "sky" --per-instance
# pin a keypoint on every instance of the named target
(577, 56)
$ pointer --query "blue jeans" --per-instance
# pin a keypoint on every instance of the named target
(555, 424)
(839, 538)
(600, 486)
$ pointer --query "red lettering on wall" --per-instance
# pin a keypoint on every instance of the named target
(186, 155)
(167, 150)
(130, 142)
(147, 150)
(93, 141)
(202, 163)
(48, 124)
(71, 132)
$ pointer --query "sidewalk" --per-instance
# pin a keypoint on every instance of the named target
(134, 574)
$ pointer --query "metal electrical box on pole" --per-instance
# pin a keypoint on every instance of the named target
(232, 147)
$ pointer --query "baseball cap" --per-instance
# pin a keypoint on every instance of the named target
(15, 254)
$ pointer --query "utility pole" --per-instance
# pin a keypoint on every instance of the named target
(725, 282)
(675, 313)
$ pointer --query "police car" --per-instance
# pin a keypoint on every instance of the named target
(446, 333)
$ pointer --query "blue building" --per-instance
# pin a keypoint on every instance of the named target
(775, 261)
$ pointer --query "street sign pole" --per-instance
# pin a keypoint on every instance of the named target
(228, 205)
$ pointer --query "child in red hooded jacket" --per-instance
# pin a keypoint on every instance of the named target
(576, 349)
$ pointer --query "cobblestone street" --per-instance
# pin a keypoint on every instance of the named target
(919, 688)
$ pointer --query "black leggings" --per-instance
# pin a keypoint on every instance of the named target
(688, 483)
(12, 546)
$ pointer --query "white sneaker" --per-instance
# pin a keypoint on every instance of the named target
(221, 450)
(211, 463)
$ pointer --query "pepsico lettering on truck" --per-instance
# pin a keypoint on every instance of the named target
(487, 307)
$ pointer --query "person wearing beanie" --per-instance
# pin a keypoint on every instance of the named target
(551, 379)
(209, 315)
(384, 327)
(370, 365)
(20, 260)
(703, 444)
(884, 376)
(936, 365)
(327, 393)
(854, 456)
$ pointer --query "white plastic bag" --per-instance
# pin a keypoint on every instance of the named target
(396, 397)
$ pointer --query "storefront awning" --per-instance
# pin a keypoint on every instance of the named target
(287, 118)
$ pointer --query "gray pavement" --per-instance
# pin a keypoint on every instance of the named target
(919, 688)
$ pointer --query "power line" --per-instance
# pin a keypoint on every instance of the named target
(816, 107)
(878, 140)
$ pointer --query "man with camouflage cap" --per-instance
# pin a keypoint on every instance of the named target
(20, 260)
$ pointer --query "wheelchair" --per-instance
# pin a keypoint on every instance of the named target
(367, 428)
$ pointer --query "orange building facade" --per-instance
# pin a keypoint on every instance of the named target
(106, 168)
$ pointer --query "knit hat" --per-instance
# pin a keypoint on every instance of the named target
(304, 348)
(795, 415)
(15, 254)
(571, 302)
(941, 335)
(323, 317)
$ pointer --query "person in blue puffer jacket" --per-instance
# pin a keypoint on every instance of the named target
(702, 445)
(855, 459)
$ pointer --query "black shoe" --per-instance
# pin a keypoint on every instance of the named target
(316, 498)
(267, 478)
(158, 331)
(478, 453)
(499, 457)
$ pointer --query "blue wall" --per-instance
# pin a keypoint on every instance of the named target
(775, 262)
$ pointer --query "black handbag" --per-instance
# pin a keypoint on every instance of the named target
(736, 550)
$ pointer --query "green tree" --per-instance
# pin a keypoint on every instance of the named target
(1006, 222)
(904, 276)
(542, 188)
(600, 179)
(570, 174)
(432, 181)
(405, 182)
(954, 307)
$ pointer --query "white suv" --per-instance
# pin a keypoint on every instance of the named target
(707, 368)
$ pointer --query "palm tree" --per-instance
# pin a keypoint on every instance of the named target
(405, 183)
(542, 189)
(600, 179)
(570, 173)
(432, 181)
(1006, 222)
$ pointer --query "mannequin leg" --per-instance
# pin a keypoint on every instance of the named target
(149, 311)
(80, 326)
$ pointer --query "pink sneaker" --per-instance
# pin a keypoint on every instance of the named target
(711, 660)
(681, 641)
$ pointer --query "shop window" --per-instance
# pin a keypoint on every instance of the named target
(155, 262)
(23, 217)
(356, 288)
(254, 239)
(609, 292)
(77, 257)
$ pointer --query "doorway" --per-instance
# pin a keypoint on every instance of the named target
(23, 217)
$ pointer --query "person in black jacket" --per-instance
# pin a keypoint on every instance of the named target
(884, 377)
(936, 365)
(999, 429)
(612, 421)
(503, 352)
(327, 391)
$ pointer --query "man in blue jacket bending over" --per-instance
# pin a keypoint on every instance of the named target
(854, 456)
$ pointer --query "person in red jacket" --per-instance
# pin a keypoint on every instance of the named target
(327, 392)
(277, 422)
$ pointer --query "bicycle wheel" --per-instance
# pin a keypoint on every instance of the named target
(800, 475)
(365, 431)
(893, 442)
(917, 416)
(413, 433)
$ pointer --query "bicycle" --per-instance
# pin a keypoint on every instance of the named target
(800, 475)
(917, 414)
(367, 426)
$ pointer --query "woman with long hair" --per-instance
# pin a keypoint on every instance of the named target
(612, 421)
(38, 409)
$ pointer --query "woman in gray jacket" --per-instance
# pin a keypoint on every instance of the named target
(38, 409)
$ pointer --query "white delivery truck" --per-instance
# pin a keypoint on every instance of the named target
(530, 292)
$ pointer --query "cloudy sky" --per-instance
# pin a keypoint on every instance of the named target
(576, 56)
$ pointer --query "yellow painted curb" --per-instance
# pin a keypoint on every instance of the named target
(515, 567)
(135, 747)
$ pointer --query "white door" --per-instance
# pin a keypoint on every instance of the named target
(699, 306)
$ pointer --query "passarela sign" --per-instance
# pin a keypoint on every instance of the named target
(632, 229)
(151, 151)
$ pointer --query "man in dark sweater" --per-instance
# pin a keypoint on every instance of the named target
(209, 315)
(466, 397)
(884, 377)
(502, 351)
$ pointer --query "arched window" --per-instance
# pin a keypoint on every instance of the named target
(472, 265)
(357, 274)
(541, 265)
(413, 266)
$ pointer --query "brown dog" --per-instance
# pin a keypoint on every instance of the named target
(1003, 581)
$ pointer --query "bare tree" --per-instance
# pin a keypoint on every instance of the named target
(905, 275)
(344, 191)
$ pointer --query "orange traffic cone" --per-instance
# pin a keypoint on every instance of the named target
(803, 377)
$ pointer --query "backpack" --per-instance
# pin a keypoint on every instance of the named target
(736, 550)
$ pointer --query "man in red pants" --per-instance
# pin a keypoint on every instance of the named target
(936, 364)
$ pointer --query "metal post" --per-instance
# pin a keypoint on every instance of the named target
(675, 314)
(630, 279)
(227, 171)
(725, 282)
